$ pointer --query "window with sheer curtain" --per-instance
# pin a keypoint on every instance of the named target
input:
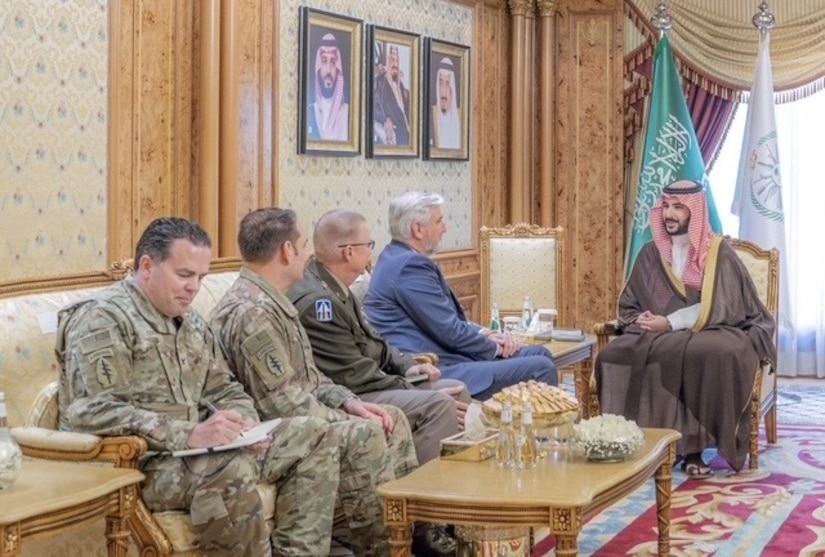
(800, 129)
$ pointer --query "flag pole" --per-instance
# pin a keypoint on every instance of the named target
(764, 20)
(661, 19)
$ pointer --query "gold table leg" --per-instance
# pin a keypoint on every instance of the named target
(664, 484)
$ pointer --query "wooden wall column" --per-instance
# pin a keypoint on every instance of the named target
(208, 178)
(150, 117)
(589, 138)
(547, 87)
(522, 111)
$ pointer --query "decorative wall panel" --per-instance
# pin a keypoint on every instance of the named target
(53, 121)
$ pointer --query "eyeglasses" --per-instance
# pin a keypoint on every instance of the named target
(371, 244)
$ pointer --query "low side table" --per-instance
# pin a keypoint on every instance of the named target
(50, 497)
(558, 494)
(579, 356)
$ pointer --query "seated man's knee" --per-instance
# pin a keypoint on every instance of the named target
(542, 369)
(535, 350)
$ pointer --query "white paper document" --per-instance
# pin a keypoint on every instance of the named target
(246, 438)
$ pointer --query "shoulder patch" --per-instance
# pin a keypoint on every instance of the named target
(274, 364)
(105, 371)
(258, 343)
(96, 341)
(323, 310)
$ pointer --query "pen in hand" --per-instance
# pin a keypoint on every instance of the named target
(211, 407)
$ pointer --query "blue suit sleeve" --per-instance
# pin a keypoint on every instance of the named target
(425, 300)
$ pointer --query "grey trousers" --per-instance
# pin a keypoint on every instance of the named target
(431, 413)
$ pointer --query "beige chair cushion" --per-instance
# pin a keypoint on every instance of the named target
(523, 267)
(522, 260)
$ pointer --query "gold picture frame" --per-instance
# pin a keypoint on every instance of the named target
(447, 105)
(329, 90)
(393, 93)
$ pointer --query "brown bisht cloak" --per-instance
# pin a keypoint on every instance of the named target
(697, 381)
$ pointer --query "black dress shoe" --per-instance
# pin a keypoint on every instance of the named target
(431, 540)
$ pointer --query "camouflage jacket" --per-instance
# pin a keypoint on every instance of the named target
(267, 347)
(128, 370)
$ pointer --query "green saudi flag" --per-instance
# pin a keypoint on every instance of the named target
(671, 150)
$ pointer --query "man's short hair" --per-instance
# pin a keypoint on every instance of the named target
(263, 231)
(408, 209)
(335, 228)
(156, 241)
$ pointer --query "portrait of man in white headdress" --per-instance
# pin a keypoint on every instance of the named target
(446, 116)
(391, 95)
(328, 102)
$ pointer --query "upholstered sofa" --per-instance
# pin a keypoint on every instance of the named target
(28, 375)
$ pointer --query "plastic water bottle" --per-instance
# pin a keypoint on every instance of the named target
(526, 313)
(527, 450)
(505, 446)
(495, 319)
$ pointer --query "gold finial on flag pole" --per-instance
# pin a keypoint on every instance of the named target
(764, 20)
(661, 20)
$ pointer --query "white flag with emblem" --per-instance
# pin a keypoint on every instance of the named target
(758, 197)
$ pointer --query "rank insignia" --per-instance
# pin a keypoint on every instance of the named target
(323, 310)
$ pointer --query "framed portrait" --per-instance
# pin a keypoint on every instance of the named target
(393, 91)
(329, 90)
(447, 104)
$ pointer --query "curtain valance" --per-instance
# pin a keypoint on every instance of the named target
(716, 43)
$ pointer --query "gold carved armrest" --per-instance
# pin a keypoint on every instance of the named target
(604, 331)
(426, 358)
(39, 442)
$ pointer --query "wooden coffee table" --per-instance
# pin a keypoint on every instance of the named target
(50, 497)
(560, 494)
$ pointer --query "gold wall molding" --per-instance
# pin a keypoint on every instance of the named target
(522, 8)
(546, 8)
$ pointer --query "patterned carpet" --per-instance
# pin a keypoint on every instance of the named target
(778, 510)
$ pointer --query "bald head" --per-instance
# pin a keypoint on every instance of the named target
(336, 228)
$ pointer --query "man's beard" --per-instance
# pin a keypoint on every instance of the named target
(431, 247)
(327, 92)
(680, 230)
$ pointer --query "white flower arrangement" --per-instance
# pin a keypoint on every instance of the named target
(607, 437)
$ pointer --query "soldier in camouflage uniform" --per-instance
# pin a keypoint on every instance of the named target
(136, 360)
(266, 345)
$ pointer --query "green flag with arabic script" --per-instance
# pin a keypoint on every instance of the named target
(671, 150)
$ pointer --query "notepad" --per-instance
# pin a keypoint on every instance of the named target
(256, 434)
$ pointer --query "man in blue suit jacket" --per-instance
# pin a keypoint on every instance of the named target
(413, 308)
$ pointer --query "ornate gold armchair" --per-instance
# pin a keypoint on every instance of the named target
(521, 260)
(763, 266)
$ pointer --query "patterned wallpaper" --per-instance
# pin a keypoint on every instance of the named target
(53, 105)
(312, 185)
